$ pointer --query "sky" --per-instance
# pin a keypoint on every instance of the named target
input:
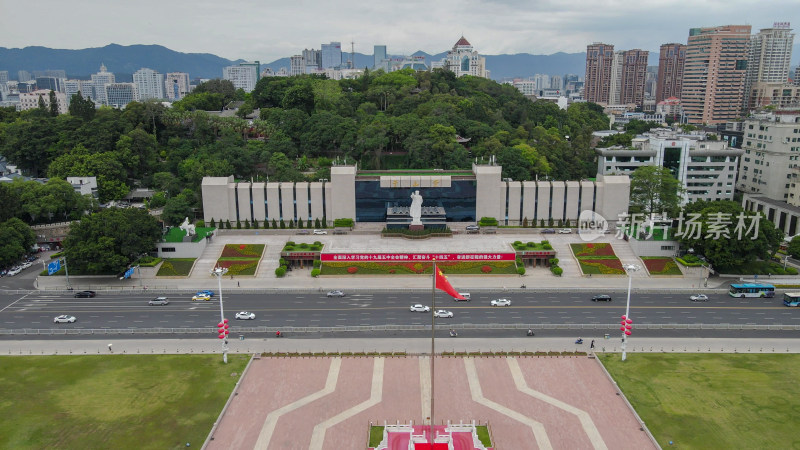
(269, 30)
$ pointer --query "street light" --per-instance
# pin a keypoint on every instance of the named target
(627, 323)
(219, 272)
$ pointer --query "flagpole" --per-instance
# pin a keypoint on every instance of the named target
(433, 333)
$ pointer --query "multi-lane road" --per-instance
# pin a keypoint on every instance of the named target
(36, 310)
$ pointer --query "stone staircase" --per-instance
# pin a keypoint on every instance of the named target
(204, 264)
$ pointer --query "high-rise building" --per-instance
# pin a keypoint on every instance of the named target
(713, 76)
(23, 76)
(557, 82)
(118, 95)
(85, 87)
(380, 60)
(599, 59)
(297, 65)
(331, 55)
(769, 58)
(242, 76)
(462, 59)
(615, 78)
(149, 84)
(57, 73)
(634, 71)
(797, 75)
(50, 83)
(542, 81)
(100, 80)
(671, 60)
(771, 155)
(312, 60)
(176, 85)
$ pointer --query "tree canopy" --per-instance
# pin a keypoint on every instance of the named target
(654, 190)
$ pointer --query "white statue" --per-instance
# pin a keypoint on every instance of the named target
(186, 226)
(416, 208)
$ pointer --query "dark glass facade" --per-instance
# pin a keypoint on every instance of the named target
(458, 200)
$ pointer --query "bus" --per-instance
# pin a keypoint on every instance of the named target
(791, 299)
(752, 290)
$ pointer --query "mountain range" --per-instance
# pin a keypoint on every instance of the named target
(124, 60)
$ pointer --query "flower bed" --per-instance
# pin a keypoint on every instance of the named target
(302, 247)
(418, 268)
(658, 265)
(176, 267)
(243, 251)
(601, 266)
(593, 249)
(239, 266)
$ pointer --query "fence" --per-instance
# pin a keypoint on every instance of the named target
(387, 328)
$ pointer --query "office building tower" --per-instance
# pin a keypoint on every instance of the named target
(176, 85)
(615, 78)
(557, 82)
(85, 87)
(50, 83)
(768, 59)
(379, 58)
(634, 70)
(30, 100)
(23, 76)
(462, 59)
(242, 76)
(149, 84)
(599, 59)
(312, 60)
(256, 65)
(713, 76)
(3, 81)
(542, 81)
(297, 65)
(118, 95)
(671, 60)
(100, 80)
(331, 55)
(57, 73)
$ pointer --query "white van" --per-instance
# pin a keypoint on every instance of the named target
(463, 294)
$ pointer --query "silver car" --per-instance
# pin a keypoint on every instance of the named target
(159, 301)
(420, 308)
(336, 293)
(443, 314)
(501, 302)
(64, 319)
(244, 315)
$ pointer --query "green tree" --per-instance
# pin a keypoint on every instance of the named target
(53, 103)
(16, 240)
(176, 209)
(653, 190)
(794, 247)
(108, 241)
(718, 239)
(82, 107)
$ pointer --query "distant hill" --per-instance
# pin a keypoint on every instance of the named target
(119, 59)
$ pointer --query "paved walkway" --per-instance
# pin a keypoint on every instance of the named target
(535, 278)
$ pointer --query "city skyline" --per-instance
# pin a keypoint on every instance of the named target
(493, 26)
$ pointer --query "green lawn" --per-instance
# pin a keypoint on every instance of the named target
(175, 234)
(176, 267)
(110, 401)
(713, 401)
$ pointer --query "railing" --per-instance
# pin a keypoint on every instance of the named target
(372, 328)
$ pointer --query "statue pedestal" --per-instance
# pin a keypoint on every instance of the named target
(416, 226)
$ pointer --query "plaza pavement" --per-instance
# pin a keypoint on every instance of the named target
(366, 240)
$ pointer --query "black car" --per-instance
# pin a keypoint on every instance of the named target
(548, 231)
(85, 294)
(601, 298)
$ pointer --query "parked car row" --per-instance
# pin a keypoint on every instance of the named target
(16, 269)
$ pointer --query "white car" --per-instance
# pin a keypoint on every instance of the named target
(244, 315)
(64, 319)
(14, 271)
(336, 293)
(320, 232)
(203, 297)
(443, 314)
(501, 302)
(420, 308)
(565, 231)
(699, 298)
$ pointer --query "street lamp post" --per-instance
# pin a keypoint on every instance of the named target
(626, 324)
(220, 272)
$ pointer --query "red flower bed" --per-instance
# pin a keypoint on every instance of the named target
(656, 265)
(613, 263)
(242, 251)
(661, 266)
(352, 269)
(486, 269)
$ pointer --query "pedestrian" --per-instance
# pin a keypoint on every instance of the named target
(591, 346)
(109, 349)
(238, 285)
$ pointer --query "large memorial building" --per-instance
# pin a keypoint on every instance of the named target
(452, 196)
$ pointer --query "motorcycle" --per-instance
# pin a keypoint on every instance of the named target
(530, 332)
(453, 333)
(579, 341)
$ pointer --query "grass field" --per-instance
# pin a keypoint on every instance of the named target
(713, 401)
(175, 234)
(119, 402)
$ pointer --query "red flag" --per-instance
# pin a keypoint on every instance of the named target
(443, 284)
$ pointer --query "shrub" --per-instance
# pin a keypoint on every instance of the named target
(308, 224)
(553, 261)
(345, 223)
(557, 271)
(791, 271)
(547, 246)
(519, 262)
(315, 272)
(274, 224)
(316, 223)
(517, 243)
(531, 244)
(290, 243)
(228, 224)
(255, 224)
(283, 225)
(300, 223)
(246, 224)
(486, 269)
(317, 263)
(488, 222)
(282, 262)
(524, 222)
(352, 269)
(280, 271)
(200, 224)
(213, 224)
(521, 270)
(324, 222)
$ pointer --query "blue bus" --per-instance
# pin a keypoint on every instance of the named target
(791, 299)
(752, 290)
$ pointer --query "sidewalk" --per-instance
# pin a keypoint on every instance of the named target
(535, 278)
(410, 346)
